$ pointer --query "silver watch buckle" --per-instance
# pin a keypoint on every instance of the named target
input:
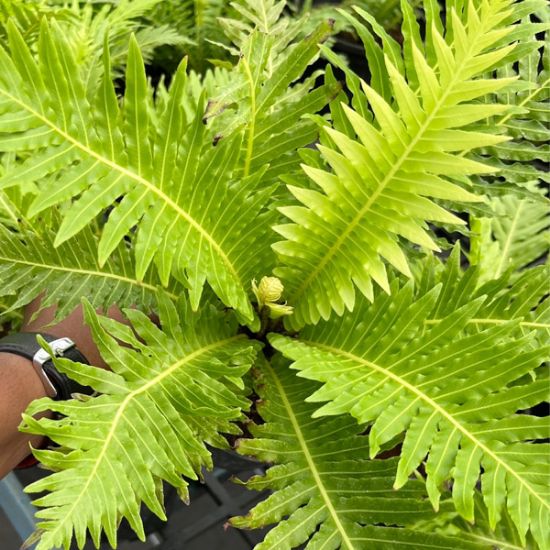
(59, 347)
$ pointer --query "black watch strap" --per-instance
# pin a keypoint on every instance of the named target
(57, 385)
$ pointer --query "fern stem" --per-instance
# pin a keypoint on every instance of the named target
(252, 126)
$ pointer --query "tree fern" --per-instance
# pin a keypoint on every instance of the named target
(171, 390)
(454, 395)
(326, 490)
(376, 187)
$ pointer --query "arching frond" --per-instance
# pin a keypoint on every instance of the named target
(327, 492)
(519, 231)
(453, 392)
(170, 391)
(396, 154)
(272, 104)
(174, 181)
(523, 159)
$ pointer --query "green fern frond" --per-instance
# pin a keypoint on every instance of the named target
(453, 392)
(503, 537)
(8, 211)
(104, 154)
(124, 188)
(517, 235)
(30, 266)
(178, 179)
(14, 202)
(519, 231)
(27, 16)
(386, 12)
(327, 492)
(273, 106)
(393, 158)
(171, 390)
(197, 21)
(523, 159)
(510, 297)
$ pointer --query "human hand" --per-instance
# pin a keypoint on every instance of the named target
(20, 385)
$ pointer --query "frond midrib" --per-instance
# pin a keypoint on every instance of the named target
(252, 118)
(508, 243)
(120, 412)
(310, 461)
(502, 544)
(87, 272)
(434, 405)
(132, 175)
(8, 208)
(494, 321)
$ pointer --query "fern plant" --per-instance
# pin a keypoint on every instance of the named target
(292, 232)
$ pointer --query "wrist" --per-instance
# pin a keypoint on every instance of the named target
(18, 373)
(41, 350)
(19, 386)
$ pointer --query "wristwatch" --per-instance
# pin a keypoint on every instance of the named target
(57, 384)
